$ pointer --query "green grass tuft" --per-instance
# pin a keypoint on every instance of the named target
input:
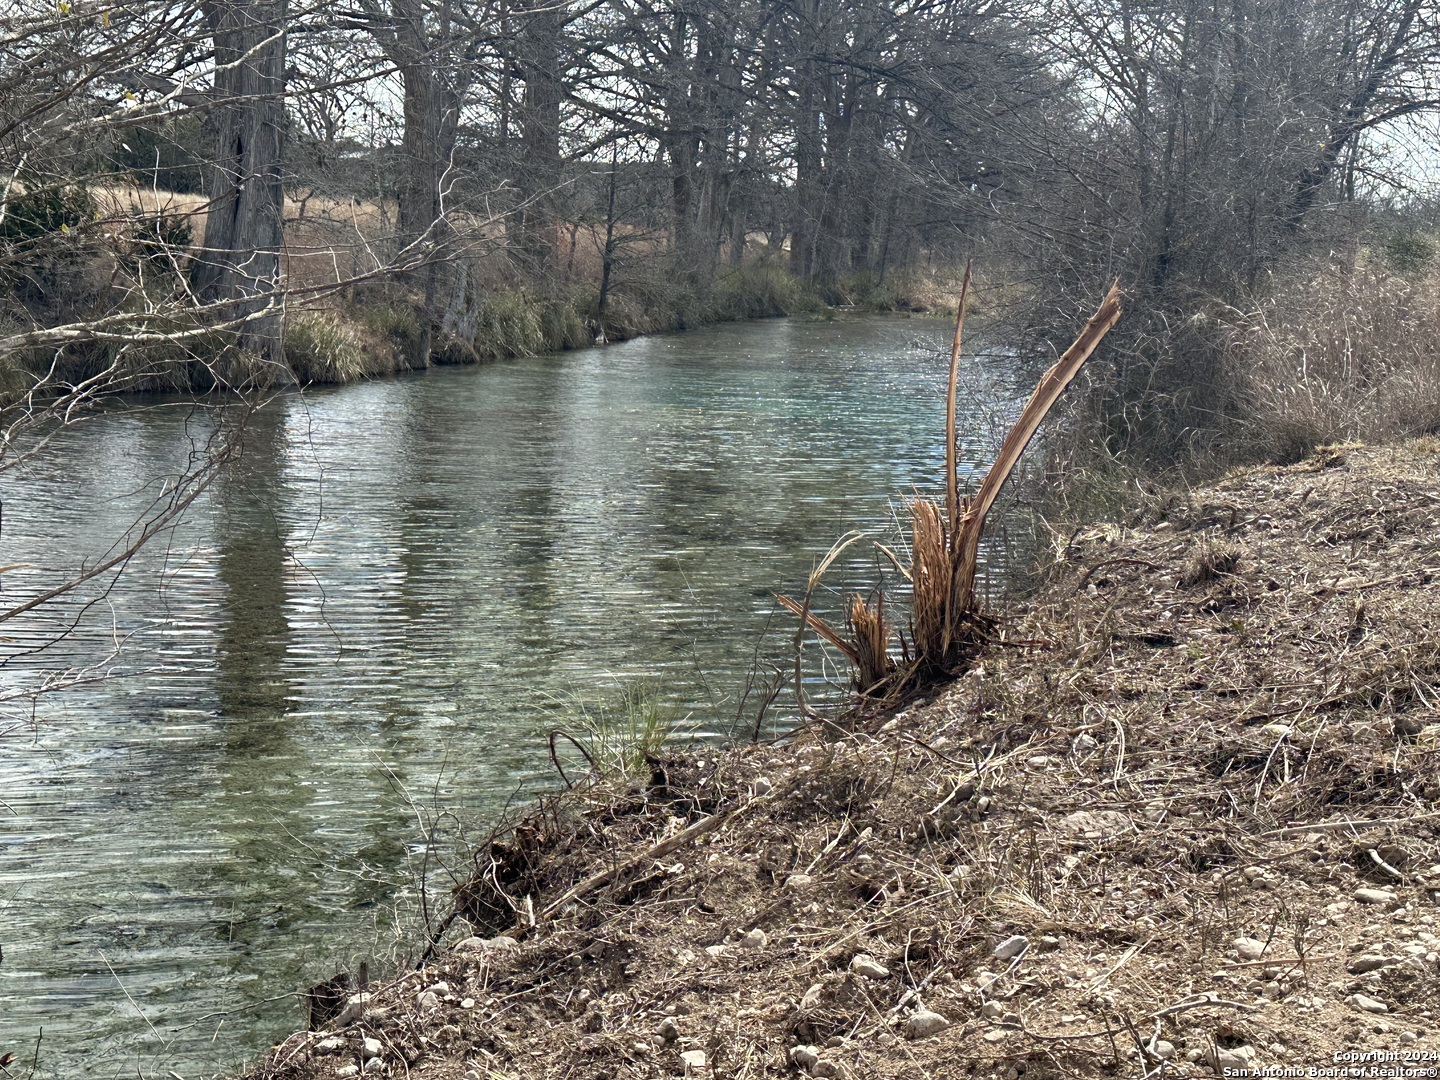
(619, 738)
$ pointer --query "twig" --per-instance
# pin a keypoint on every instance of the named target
(1200, 1001)
(1130, 954)
(700, 828)
(1326, 826)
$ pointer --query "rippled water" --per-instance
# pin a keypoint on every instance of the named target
(378, 611)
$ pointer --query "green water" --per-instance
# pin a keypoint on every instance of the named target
(374, 617)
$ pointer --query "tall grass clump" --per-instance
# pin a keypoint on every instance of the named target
(761, 290)
(507, 325)
(562, 323)
(323, 349)
(1344, 353)
(400, 325)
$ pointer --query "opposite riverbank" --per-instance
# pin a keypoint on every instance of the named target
(1180, 813)
(383, 335)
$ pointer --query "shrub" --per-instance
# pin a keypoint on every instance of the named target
(155, 243)
(39, 212)
(42, 248)
(1408, 253)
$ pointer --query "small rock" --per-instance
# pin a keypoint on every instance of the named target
(995, 1035)
(923, 1022)
(868, 967)
(669, 1030)
(811, 1000)
(694, 1062)
(804, 1057)
(755, 939)
(1011, 947)
(992, 1010)
(1358, 965)
(824, 1067)
(1039, 761)
(1375, 896)
(1408, 1037)
(370, 1048)
(1094, 824)
(484, 945)
(348, 1070)
(1048, 943)
(762, 785)
(714, 950)
(332, 1045)
(1162, 1050)
(355, 1009)
(798, 881)
(429, 1000)
(1084, 743)
(1239, 1057)
(1249, 948)
(374, 1065)
(439, 989)
(467, 1003)
(1367, 1004)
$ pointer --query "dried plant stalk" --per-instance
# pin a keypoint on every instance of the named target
(872, 642)
(929, 578)
(966, 540)
(946, 540)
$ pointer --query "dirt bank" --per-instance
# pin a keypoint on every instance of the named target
(1185, 814)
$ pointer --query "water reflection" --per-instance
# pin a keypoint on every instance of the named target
(374, 612)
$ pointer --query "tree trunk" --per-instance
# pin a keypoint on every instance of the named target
(539, 49)
(807, 177)
(244, 228)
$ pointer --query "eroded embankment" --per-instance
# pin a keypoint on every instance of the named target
(1185, 814)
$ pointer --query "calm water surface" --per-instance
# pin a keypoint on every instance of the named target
(377, 612)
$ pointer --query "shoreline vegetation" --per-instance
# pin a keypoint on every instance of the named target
(347, 318)
(1178, 812)
(357, 340)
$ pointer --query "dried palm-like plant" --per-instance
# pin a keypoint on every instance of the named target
(946, 625)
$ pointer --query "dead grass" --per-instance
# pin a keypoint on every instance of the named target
(1139, 774)
(1338, 353)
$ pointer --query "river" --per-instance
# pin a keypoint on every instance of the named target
(367, 625)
